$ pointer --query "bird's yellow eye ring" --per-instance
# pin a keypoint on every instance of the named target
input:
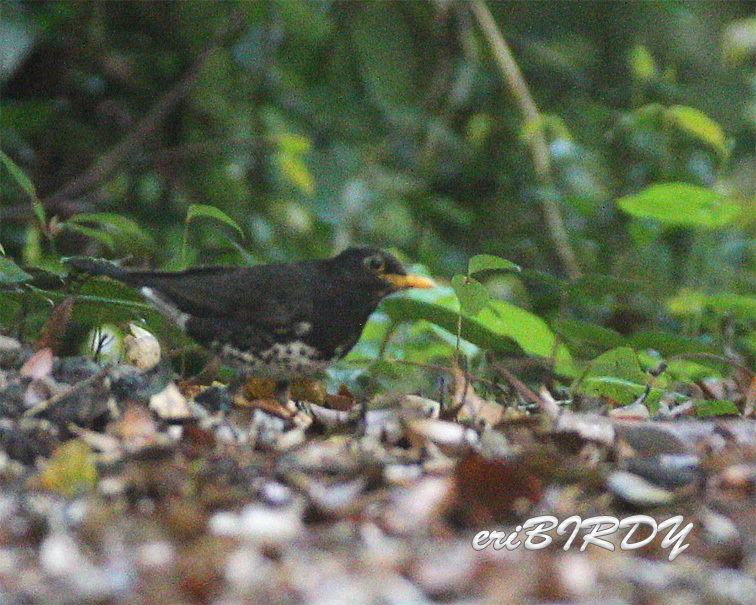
(375, 263)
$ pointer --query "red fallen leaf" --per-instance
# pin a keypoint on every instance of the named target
(341, 403)
(38, 365)
(198, 437)
(51, 334)
(488, 490)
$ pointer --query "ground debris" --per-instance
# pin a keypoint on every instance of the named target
(125, 486)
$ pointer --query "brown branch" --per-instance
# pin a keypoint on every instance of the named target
(551, 409)
(539, 148)
(74, 388)
(103, 166)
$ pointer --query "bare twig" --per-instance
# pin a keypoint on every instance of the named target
(116, 155)
(551, 409)
(538, 145)
(47, 403)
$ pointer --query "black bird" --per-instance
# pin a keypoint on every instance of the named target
(279, 320)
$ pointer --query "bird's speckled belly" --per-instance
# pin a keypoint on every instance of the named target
(281, 361)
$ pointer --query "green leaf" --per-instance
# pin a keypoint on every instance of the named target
(473, 296)
(19, 176)
(529, 331)
(698, 125)
(444, 314)
(642, 64)
(670, 344)
(11, 273)
(616, 374)
(621, 391)
(690, 302)
(111, 221)
(25, 183)
(621, 362)
(205, 211)
(501, 327)
(681, 204)
(488, 262)
(95, 234)
(716, 407)
(583, 334)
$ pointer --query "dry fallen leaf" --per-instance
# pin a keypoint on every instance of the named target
(489, 490)
(38, 365)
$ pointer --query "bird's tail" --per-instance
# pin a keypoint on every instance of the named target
(97, 266)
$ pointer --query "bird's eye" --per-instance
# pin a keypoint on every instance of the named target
(374, 263)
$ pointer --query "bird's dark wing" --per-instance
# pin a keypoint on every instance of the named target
(271, 296)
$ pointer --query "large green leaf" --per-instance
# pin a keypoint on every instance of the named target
(529, 331)
(446, 317)
(616, 374)
(681, 204)
(495, 328)
(582, 335)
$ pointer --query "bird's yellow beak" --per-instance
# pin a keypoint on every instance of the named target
(401, 282)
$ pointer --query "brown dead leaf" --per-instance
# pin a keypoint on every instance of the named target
(38, 365)
(488, 490)
(303, 389)
(51, 334)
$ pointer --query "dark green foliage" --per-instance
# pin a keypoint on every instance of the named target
(190, 133)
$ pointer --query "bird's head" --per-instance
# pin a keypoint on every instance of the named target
(377, 270)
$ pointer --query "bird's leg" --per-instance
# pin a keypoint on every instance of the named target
(282, 392)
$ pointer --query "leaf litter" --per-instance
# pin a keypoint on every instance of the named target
(120, 485)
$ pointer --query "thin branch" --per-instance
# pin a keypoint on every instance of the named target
(551, 409)
(55, 399)
(539, 148)
(104, 166)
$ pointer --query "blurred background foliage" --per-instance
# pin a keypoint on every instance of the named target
(317, 124)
